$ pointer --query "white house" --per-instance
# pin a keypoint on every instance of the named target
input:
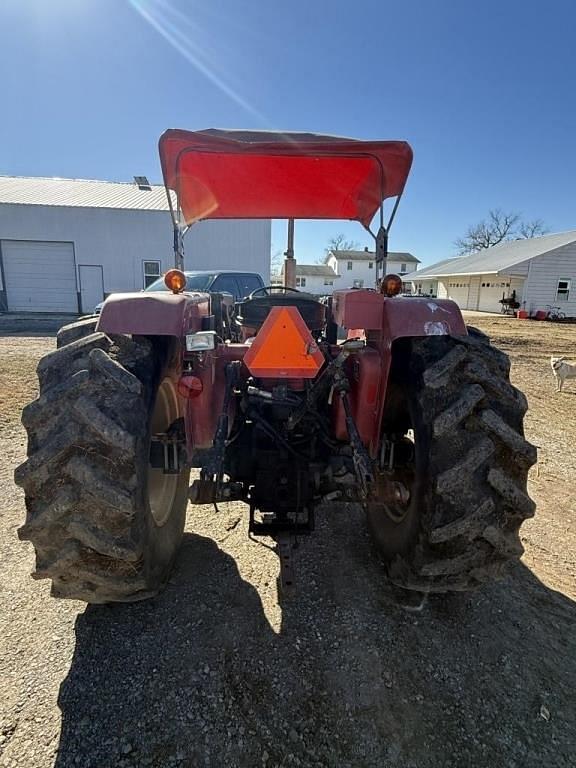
(539, 271)
(67, 243)
(314, 278)
(358, 268)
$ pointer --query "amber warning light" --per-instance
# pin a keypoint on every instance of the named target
(175, 280)
(391, 285)
(284, 348)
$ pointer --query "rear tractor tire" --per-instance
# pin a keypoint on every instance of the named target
(105, 525)
(465, 465)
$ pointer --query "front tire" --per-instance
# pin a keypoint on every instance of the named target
(104, 526)
(467, 472)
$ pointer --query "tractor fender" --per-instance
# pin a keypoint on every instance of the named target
(396, 317)
(407, 317)
(403, 316)
(383, 320)
(156, 313)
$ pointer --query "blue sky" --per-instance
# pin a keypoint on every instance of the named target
(484, 92)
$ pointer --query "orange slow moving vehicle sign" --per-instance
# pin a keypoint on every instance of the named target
(284, 348)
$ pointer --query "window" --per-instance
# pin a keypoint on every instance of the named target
(151, 272)
(226, 284)
(370, 265)
(563, 290)
(358, 284)
(300, 282)
(402, 267)
(248, 283)
(328, 282)
(349, 265)
(198, 282)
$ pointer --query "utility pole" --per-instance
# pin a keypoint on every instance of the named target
(290, 261)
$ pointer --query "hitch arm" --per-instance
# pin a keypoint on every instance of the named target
(214, 464)
(362, 462)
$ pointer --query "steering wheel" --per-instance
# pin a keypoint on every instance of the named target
(268, 290)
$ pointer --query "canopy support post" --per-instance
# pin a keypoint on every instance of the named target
(381, 249)
(290, 261)
(178, 247)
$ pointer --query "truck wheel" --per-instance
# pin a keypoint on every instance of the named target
(465, 465)
(105, 524)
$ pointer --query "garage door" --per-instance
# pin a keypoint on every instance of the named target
(458, 291)
(491, 291)
(40, 277)
(473, 293)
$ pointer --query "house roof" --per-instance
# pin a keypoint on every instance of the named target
(81, 193)
(371, 255)
(417, 273)
(314, 270)
(499, 258)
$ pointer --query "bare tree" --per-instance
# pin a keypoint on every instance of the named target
(276, 261)
(498, 227)
(534, 228)
(337, 243)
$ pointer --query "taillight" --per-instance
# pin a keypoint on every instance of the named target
(189, 386)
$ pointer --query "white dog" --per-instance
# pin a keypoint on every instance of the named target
(562, 371)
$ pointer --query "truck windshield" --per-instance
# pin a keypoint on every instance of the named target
(194, 282)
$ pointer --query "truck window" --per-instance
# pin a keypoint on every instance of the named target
(226, 284)
(249, 283)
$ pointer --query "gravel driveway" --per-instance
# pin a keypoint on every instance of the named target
(215, 672)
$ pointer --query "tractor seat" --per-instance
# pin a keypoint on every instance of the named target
(253, 310)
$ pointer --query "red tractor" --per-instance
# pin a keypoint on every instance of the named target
(282, 401)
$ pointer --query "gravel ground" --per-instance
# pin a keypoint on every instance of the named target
(217, 672)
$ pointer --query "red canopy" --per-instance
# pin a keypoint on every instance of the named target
(250, 174)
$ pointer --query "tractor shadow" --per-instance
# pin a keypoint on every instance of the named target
(197, 677)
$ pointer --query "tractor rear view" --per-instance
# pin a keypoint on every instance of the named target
(280, 401)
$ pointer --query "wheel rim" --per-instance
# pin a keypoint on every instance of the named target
(405, 475)
(162, 487)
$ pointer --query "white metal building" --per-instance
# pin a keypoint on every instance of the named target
(65, 244)
(357, 268)
(540, 271)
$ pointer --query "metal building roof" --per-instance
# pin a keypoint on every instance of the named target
(499, 258)
(81, 193)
